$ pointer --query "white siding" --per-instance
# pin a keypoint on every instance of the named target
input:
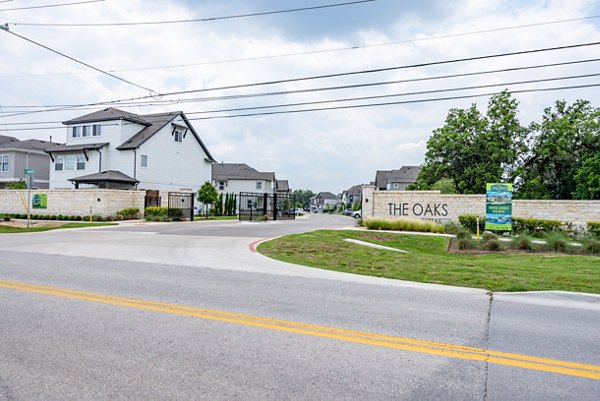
(172, 166)
(237, 186)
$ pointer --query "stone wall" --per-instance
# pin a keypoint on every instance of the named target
(434, 205)
(73, 202)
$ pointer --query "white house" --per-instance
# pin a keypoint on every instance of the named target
(323, 201)
(240, 177)
(116, 149)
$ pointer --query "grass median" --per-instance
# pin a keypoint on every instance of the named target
(13, 230)
(428, 261)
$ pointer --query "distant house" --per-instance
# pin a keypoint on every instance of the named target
(240, 177)
(116, 149)
(323, 201)
(396, 180)
(283, 187)
(16, 156)
(351, 195)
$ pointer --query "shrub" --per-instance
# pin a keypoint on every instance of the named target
(129, 213)
(403, 224)
(451, 227)
(591, 244)
(467, 243)
(156, 211)
(489, 236)
(469, 221)
(492, 245)
(175, 214)
(97, 217)
(6, 217)
(557, 241)
(464, 234)
(78, 218)
(523, 242)
(536, 226)
(265, 217)
(593, 228)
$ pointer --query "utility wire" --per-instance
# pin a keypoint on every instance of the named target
(395, 103)
(309, 90)
(381, 104)
(353, 47)
(78, 61)
(426, 92)
(419, 65)
(192, 19)
(51, 5)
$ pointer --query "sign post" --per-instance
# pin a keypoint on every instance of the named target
(29, 172)
(498, 208)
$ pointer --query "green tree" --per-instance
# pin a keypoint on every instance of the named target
(207, 194)
(472, 149)
(302, 197)
(445, 186)
(567, 136)
(587, 179)
(21, 184)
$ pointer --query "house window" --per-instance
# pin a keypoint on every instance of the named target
(84, 131)
(396, 185)
(258, 185)
(59, 163)
(178, 136)
(97, 130)
(69, 162)
(144, 161)
(3, 162)
(80, 162)
(221, 185)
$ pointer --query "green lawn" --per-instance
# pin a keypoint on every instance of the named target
(429, 262)
(12, 230)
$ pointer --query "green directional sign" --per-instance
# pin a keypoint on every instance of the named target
(498, 210)
(29, 171)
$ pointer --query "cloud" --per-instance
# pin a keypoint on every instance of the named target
(322, 150)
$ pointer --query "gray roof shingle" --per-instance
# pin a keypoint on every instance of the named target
(238, 171)
(105, 176)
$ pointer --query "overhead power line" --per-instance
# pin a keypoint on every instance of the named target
(267, 113)
(5, 28)
(353, 47)
(328, 88)
(51, 5)
(315, 77)
(349, 3)
(381, 104)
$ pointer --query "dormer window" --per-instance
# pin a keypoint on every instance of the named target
(178, 135)
(84, 131)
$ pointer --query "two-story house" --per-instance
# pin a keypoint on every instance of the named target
(323, 201)
(240, 177)
(396, 180)
(17, 156)
(116, 149)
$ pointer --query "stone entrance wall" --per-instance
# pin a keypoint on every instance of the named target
(73, 202)
(434, 205)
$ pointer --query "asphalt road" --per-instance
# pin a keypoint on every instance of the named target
(344, 336)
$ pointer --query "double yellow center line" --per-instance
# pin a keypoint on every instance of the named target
(380, 340)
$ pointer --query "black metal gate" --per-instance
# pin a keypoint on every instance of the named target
(152, 198)
(181, 206)
(262, 206)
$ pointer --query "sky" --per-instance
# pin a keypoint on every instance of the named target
(321, 150)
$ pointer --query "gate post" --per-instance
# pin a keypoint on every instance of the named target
(265, 205)
(275, 206)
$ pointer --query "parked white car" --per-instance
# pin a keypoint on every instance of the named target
(357, 214)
